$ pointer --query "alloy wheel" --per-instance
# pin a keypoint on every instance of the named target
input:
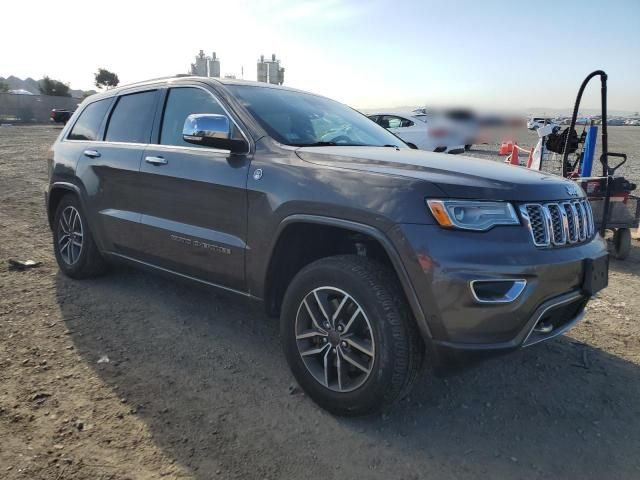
(335, 339)
(70, 235)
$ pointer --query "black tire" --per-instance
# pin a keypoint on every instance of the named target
(88, 262)
(621, 243)
(398, 348)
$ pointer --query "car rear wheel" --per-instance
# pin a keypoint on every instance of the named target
(348, 335)
(76, 252)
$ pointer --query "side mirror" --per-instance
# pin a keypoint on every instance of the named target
(211, 130)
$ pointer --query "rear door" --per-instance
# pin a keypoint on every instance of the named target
(111, 168)
(193, 198)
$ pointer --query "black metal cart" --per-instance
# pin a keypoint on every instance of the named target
(623, 212)
(614, 207)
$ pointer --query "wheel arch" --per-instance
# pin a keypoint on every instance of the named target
(58, 190)
(275, 282)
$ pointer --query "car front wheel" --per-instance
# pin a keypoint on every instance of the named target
(348, 335)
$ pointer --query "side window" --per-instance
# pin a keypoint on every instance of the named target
(182, 102)
(132, 118)
(390, 121)
(405, 122)
(88, 124)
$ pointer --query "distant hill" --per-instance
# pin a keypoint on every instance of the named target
(31, 85)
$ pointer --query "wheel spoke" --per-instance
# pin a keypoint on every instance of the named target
(66, 245)
(313, 318)
(310, 334)
(360, 345)
(320, 305)
(354, 362)
(315, 351)
(326, 367)
(339, 368)
(74, 221)
(64, 224)
(67, 219)
(338, 310)
(353, 317)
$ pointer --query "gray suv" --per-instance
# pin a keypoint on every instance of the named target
(374, 255)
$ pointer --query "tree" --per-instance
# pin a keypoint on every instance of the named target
(105, 78)
(4, 86)
(48, 86)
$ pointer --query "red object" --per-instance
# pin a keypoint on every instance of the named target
(506, 147)
(513, 158)
(530, 159)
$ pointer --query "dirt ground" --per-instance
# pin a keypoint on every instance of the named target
(195, 385)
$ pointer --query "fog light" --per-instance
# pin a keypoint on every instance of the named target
(497, 291)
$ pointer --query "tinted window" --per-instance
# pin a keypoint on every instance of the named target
(297, 118)
(182, 102)
(131, 118)
(88, 124)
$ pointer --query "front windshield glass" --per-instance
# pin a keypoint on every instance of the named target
(303, 119)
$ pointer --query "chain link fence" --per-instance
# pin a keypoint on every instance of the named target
(32, 108)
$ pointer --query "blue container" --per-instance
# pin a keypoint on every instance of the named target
(589, 151)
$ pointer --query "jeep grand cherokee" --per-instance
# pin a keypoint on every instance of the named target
(374, 255)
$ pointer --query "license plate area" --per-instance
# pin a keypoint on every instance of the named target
(596, 274)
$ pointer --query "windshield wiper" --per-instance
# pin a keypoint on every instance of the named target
(335, 144)
(315, 144)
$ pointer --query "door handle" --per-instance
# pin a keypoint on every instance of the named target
(91, 153)
(156, 160)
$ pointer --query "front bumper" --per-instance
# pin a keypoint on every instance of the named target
(442, 264)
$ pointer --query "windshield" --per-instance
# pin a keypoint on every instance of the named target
(302, 119)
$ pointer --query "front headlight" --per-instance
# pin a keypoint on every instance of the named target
(472, 215)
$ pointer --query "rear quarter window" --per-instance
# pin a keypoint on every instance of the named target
(132, 118)
(88, 124)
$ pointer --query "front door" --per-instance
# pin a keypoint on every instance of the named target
(193, 199)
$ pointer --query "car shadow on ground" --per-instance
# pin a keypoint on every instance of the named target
(205, 373)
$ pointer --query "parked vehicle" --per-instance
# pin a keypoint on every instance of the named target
(372, 254)
(422, 132)
(59, 115)
(536, 122)
(465, 123)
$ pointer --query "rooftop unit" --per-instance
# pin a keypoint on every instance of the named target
(206, 66)
(270, 71)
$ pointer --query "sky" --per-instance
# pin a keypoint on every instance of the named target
(371, 53)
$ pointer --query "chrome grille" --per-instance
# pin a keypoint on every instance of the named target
(556, 224)
(536, 220)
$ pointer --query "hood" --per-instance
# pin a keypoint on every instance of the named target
(457, 176)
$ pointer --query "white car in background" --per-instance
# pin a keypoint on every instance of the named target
(463, 121)
(536, 122)
(421, 131)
